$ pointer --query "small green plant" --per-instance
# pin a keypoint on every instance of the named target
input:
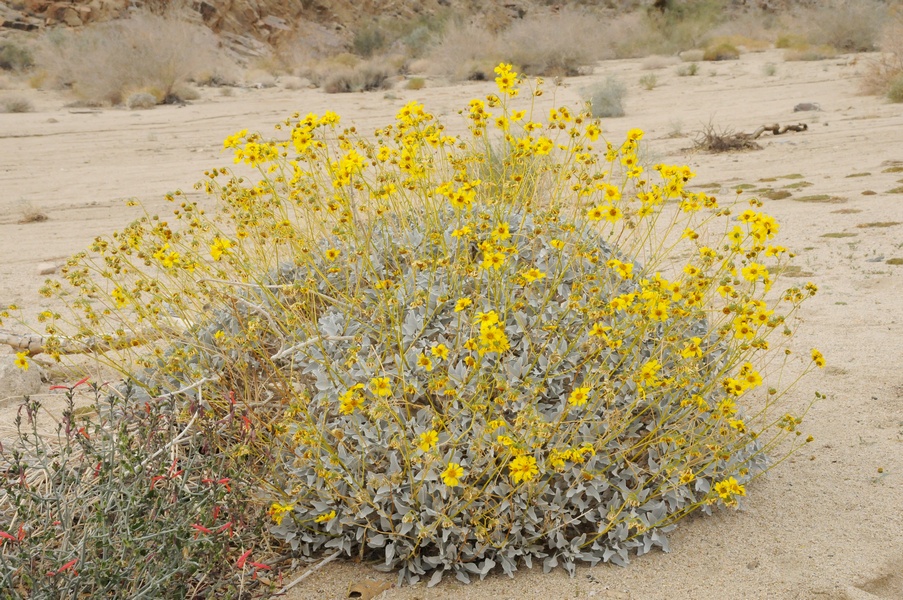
(451, 354)
(688, 70)
(649, 81)
(606, 99)
(769, 69)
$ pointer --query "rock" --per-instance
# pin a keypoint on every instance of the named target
(47, 268)
(15, 382)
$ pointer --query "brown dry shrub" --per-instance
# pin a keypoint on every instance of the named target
(721, 51)
(104, 62)
(885, 73)
(562, 43)
(466, 51)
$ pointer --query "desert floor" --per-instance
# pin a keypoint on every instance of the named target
(826, 523)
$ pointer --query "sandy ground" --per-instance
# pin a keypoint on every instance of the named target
(824, 525)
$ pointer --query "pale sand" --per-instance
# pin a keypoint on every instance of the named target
(822, 525)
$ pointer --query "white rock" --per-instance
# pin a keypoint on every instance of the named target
(47, 268)
(15, 382)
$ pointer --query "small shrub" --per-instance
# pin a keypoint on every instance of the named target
(103, 62)
(648, 81)
(364, 77)
(29, 213)
(769, 69)
(124, 499)
(15, 57)
(688, 70)
(722, 51)
(16, 104)
(882, 72)
(789, 40)
(141, 101)
(692, 56)
(444, 373)
(416, 83)
(606, 99)
(895, 89)
(368, 40)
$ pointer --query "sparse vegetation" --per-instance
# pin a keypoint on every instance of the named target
(606, 99)
(416, 83)
(16, 104)
(29, 213)
(688, 70)
(721, 51)
(15, 56)
(107, 62)
(648, 81)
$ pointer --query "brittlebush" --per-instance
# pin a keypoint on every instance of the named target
(463, 352)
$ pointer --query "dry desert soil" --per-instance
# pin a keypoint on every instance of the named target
(826, 524)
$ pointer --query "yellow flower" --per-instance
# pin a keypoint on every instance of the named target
(492, 260)
(380, 386)
(440, 351)
(501, 232)
(557, 244)
(579, 396)
(532, 275)
(351, 400)
(428, 439)
(333, 254)
(816, 356)
(754, 271)
(219, 247)
(21, 360)
(729, 488)
(460, 232)
(692, 348)
(595, 213)
(462, 303)
(325, 517)
(278, 511)
(424, 361)
(634, 135)
(486, 319)
(452, 474)
(523, 469)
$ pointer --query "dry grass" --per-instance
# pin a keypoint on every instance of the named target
(16, 104)
(29, 213)
(847, 25)
(711, 139)
(721, 51)
(606, 98)
(107, 62)
(466, 52)
(375, 74)
(885, 74)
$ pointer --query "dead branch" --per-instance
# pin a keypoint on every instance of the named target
(711, 140)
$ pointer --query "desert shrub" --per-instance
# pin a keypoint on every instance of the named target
(895, 89)
(141, 101)
(105, 62)
(416, 83)
(606, 99)
(655, 62)
(688, 70)
(888, 66)
(649, 81)
(16, 104)
(14, 56)
(847, 25)
(465, 52)
(721, 51)
(448, 373)
(366, 76)
(125, 499)
(559, 44)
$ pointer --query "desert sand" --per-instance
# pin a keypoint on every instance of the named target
(826, 524)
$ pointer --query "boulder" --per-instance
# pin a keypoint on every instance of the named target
(15, 382)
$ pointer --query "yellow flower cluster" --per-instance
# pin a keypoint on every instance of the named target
(492, 334)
